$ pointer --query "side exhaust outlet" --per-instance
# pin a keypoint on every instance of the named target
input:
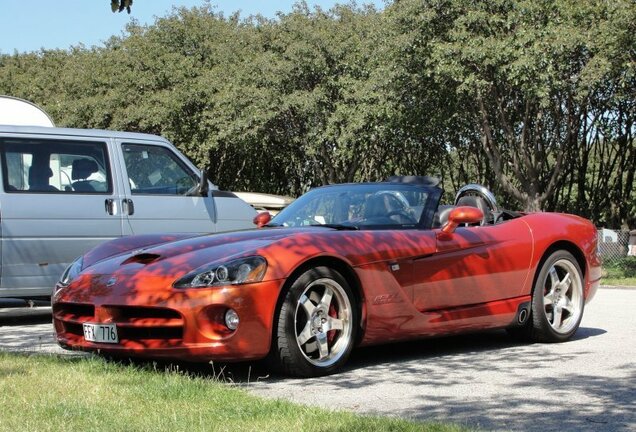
(523, 316)
(523, 313)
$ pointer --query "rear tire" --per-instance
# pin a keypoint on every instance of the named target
(315, 328)
(557, 301)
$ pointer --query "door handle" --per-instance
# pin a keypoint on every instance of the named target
(129, 206)
(109, 206)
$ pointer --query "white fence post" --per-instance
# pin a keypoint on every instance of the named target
(613, 245)
(632, 243)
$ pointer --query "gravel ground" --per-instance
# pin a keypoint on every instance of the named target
(483, 380)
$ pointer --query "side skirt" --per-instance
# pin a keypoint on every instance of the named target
(409, 323)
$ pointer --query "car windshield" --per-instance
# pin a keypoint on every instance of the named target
(363, 206)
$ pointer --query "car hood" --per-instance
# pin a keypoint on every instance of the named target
(150, 268)
(155, 266)
(182, 255)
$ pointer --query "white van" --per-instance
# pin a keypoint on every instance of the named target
(66, 190)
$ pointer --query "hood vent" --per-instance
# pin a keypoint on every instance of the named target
(142, 258)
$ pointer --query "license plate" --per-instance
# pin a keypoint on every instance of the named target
(102, 333)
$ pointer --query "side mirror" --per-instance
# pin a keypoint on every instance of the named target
(262, 219)
(204, 187)
(462, 215)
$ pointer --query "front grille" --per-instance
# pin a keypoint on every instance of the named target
(144, 315)
(134, 323)
(74, 312)
(150, 333)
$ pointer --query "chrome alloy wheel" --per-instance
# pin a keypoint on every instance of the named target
(563, 296)
(323, 322)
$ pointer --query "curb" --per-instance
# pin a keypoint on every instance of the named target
(619, 287)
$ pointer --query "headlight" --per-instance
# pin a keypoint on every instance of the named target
(239, 271)
(72, 271)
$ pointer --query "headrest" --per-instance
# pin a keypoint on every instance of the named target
(83, 168)
(441, 215)
(476, 201)
(39, 176)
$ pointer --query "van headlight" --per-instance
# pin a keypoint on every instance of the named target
(72, 271)
(239, 271)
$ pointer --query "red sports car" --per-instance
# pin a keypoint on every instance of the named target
(342, 266)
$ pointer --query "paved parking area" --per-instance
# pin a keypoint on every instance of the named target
(490, 381)
(27, 330)
(484, 380)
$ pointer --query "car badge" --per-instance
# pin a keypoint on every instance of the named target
(112, 281)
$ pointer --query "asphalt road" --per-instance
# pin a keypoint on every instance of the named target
(484, 380)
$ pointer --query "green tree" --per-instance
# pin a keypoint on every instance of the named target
(121, 5)
(535, 99)
(304, 99)
(525, 73)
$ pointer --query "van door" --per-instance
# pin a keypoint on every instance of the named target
(58, 200)
(160, 190)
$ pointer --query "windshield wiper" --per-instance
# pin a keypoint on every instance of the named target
(337, 226)
(334, 226)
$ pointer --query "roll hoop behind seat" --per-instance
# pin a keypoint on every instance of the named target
(478, 202)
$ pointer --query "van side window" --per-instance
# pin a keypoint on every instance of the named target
(156, 170)
(55, 166)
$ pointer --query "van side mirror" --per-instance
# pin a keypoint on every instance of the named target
(204, 187)
(462, 215)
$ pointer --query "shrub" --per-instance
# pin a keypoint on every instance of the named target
(622, 267)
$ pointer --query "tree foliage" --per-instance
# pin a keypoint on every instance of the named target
(538, 81)
(121, 5)
(535, 99)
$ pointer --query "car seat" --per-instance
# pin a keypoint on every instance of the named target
(478, 202)
(39, 179)
(441, 215)
(81, 170)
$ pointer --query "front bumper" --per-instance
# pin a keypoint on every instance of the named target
(183, 324)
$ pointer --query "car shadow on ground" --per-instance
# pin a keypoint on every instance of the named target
(24, 319)
(394, 356)
(421, 367)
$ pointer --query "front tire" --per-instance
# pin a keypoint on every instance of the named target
(557, 299)
(316, 325)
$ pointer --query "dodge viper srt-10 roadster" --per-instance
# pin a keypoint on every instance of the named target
(342, 266)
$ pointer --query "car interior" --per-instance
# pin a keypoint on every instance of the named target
(80, 172)
(471, 195)
(475, 195)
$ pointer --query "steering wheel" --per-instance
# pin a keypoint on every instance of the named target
(482, 195)
(402, 213)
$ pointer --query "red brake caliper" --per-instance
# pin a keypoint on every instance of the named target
(331, 334)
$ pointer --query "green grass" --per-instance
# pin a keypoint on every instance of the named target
(621, 271)
(49, 393)
(619, 281)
